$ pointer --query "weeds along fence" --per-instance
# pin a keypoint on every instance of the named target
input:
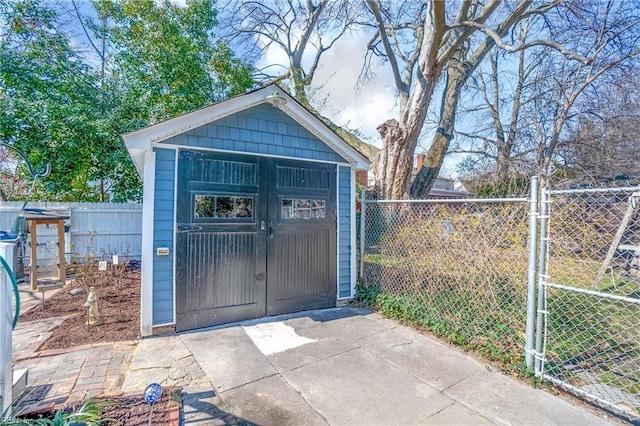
(459, 268)
(107, 228)
(589, 330)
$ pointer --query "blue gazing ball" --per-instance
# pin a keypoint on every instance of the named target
(152, 393)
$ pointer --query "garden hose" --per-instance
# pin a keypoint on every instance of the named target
(14, 282)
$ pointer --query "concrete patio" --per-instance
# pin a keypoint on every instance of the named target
(338, 366)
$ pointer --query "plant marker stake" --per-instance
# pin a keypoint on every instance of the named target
(151, 395)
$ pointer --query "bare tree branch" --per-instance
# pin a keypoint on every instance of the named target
(497, 39)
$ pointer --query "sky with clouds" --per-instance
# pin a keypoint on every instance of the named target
(351, 102)
(337, 91)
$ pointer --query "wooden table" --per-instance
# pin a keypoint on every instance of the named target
(35, 217)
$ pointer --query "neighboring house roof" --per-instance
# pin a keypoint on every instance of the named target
(142, 140)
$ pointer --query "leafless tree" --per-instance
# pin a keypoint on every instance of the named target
(608, 34)
(301, 29)
(453, 42)
(499, 146)
(561, 110)
(603, 144)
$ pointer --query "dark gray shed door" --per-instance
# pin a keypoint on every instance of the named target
(255, 236)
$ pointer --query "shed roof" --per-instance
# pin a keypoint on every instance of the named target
(142, 140)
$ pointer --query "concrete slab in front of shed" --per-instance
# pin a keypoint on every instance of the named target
(331, 337)
(158, 352)
(358, 387)
(426, 358)
(270, 401)
(502, 399)
(228, 357)
(349, 324)
(310, 353)
(459, 415)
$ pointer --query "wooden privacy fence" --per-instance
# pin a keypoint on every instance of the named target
(104, 228)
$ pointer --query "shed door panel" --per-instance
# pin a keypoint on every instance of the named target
(301, 262)
(220, 270)
(256, 236)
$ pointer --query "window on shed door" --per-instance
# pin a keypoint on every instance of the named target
(293, 208)
(222, 207)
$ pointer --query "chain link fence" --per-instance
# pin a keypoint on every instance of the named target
(591, 296)
(466, 271)
(455, 267)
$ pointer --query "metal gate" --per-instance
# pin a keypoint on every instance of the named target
(255, 236)
(588, 323)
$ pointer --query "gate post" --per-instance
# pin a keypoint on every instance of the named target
(531, 285)
(363, 211)
(542, 277)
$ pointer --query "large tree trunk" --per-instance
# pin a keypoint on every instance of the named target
(461, 67)
(391, 162)
(438, 46)
(394, 164)
(457, 75)
(502, 163)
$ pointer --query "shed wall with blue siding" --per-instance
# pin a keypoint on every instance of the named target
(344, 227)
(261, 130)
(163, 234)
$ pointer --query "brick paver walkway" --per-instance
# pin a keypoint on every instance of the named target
(66, 376)
(72, 375)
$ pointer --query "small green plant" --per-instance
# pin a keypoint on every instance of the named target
(367, 295)
(88, 414)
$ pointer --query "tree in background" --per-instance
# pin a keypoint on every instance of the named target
(533, 114)
(453, 43)
(302, 30)
(608, 35)
(164, 59)
(149, 61)
(438, 41)
(603, 145)
(49, 101)
(498, 140)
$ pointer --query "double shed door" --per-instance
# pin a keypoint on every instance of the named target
(255, 236)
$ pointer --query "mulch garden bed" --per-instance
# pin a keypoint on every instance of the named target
(119, 310)
(131, 410)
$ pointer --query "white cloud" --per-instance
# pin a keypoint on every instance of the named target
(362, 106)
(337, 93)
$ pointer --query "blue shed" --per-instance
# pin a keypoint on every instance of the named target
(248, 211)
